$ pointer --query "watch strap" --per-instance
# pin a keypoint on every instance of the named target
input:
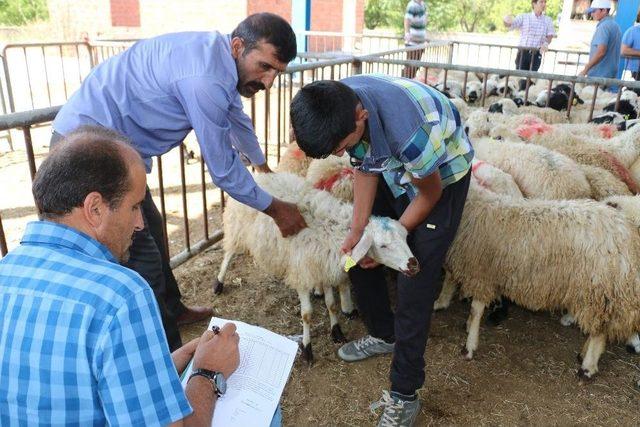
(210, 375)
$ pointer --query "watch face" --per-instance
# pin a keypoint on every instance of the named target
(221, 383)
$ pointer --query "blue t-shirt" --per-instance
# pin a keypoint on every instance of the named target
(631, 38)
(607, 33)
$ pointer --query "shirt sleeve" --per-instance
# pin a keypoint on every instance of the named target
(517, 22)
(206, 104)
(550, 30)
(244, 136)
(627, 38)
(137, 381)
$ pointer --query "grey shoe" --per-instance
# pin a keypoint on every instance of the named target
(397, 412)
(364, 347)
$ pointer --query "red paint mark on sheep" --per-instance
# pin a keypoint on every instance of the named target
(527, 131)
(474, 168)
(328, 183)
(621, 171)
(607, 130)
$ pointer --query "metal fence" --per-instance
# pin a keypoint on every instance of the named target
(186, 188)
(188, 219)
(326, 41)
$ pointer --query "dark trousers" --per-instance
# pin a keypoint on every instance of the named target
(149, 258)
(527, 59)
(415, 295)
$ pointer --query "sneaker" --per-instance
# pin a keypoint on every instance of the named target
(397, 412)
(364, 347)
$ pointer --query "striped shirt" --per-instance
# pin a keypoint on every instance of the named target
(416, 14)
(435, 139)
(533, 29)
(81, 340)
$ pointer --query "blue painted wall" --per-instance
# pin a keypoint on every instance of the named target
(626, 17)
(301, 21)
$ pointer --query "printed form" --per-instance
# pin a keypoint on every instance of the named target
(254, 389)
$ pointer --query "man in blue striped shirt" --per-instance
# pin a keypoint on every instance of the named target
(162, 88)
(413, 162)
(81, 339)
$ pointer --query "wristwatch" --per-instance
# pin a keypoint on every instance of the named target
(217, 380)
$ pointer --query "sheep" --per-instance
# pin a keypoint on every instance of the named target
(632, 345)
(479, 123)
(539, 172)
(462, 107)
(603, 183)
(507, 88)
(473, 91)
(294, 160)
(333, 174)
(312, 257)
(575, 142)
(494, 179)
(491, 178)
(627, 106)
(577, 255)
(504, 106)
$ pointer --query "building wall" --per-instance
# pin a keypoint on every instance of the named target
(125, 13)
(326, 15)
(279, 7)
(72, 19)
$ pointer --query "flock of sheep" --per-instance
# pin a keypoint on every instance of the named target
(552, 221)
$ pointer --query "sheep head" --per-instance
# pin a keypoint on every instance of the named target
(385, 240)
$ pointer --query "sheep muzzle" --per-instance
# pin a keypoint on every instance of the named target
(412, 267)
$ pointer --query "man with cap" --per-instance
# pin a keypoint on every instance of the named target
(604, 53)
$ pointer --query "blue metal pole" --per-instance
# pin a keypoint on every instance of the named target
(625, 18)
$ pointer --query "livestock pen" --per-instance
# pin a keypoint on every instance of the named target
(524, 375)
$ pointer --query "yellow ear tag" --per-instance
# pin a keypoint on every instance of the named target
(349, 263)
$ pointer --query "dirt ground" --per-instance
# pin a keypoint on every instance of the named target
(524, 372)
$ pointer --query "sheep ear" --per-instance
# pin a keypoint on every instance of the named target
(362, 247)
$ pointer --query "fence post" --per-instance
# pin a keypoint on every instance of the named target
(2, 100)
(356, 67)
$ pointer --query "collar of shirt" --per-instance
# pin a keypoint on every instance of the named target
(604, 19)
(372, 91)
(55, 234)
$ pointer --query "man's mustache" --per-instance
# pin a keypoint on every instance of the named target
(255, 86)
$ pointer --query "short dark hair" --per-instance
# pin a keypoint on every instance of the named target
(269, 28)
(323, 113)
(88, 159)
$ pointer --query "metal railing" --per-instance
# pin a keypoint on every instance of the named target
(377, 64)
(269, 111)
(555, 61)
(327, 41)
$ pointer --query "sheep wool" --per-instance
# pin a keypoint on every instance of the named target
(576, 255)
(311, 259)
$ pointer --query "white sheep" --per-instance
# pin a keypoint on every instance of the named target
(576, 255)
(312, 257)
(490, 177)
(333, 174)
(538, 171)
(294, 160)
